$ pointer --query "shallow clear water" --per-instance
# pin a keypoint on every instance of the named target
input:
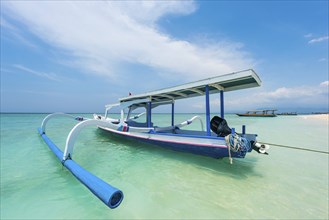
(163, 184)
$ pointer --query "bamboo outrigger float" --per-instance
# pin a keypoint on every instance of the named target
(217, 140)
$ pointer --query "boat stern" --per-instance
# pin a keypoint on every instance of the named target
(256, 146)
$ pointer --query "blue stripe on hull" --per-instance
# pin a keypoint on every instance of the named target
(214, 152)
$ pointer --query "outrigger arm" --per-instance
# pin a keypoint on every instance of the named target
(48, 117)
(71, 138)
(108, 194)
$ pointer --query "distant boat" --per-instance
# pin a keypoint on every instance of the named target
(287, 113)
(259, 113)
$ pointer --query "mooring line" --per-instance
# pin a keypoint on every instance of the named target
(296, 148)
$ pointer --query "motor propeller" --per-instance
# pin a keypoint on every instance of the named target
(261, 148)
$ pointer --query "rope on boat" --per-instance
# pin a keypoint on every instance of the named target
(227, 139)
(237, 144)
(296, 148)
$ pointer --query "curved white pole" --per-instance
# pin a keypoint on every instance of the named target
(46, 119)
(184, 123)
(74, 134)
(200, 119)
(187, 122)
(137, 116)
(108, 194)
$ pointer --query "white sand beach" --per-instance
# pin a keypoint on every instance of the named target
(324, 117)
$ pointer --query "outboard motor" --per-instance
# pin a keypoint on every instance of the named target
(219, 126)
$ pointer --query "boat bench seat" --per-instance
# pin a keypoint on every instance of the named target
(193, 132)
(138, 124)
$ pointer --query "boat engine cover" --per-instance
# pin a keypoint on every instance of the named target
(219, 126)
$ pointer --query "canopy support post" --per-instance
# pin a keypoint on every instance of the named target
(207, 111)
(172, 114)
(221, 103)
(149, 114)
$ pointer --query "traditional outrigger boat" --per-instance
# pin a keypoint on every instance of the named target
(217, 140)
(259, 113)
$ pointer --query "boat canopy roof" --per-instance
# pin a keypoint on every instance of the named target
(228, 82)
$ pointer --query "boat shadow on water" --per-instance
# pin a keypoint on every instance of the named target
(240, 169)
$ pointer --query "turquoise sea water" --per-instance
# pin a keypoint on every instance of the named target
(162, 184)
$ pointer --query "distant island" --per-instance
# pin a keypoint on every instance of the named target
(287, 113)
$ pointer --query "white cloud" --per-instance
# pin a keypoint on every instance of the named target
(294, 92)
(148, 12)
(16, 33)
(50, 76)
(304, 95)
(5, 24)
(319, 39)
(103, 36)
(325, 83)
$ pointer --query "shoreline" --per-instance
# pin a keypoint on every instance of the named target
(323, 117)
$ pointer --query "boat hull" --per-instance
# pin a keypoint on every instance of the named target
(214, 147)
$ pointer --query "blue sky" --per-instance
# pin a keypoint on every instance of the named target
(77, 56)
